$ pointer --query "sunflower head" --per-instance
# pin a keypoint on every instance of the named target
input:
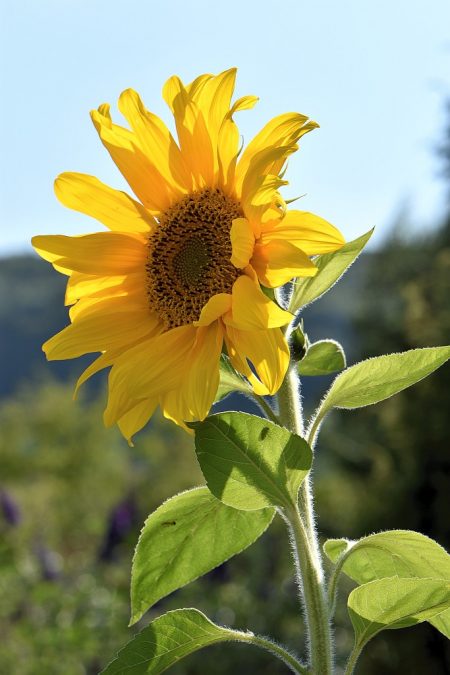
(189, 256)
(177, 276)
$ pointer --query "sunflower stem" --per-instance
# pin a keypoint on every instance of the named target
(265, 407)
(305, 543)
(352, 659)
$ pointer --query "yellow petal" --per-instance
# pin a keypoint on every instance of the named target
(242, 242)
(197, 146)
(195, 88)
(174, 407)
(203, 377)
(103, 361)
(194, 396)
(252, 310)
(149, 369)
(214, 103)
(228, 144)
(260, 193)
(83, 307)
(157, 141)
(113, 208)
(52, 258)
(282, 131)
(263, 192)
(227, 153)
(135, 301)
(216, 306)
(215, 99)
(142, 176)
(241, 365)
(195, 141)
(174, 86)
(267, 350)
(136, 418)
(309, 232)
(100, 253)
(81, 285)
(261, 167)
(279, 261)
(244, 103)
(98, 332)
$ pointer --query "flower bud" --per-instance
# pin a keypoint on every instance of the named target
(299, 343)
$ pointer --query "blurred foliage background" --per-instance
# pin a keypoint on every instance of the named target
(73, 496)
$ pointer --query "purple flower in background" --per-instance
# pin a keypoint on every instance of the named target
(121, 522)
(9, 508)
(49, 561)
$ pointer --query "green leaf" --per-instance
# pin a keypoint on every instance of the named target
(395, 603)
(442, 623)
(322, 358)
(334, 548)
(379, 378)
(186, 537)
(230, 380)
(331, 267)
(174, 635)
(250, 463)
(400, 553)
(165, 641)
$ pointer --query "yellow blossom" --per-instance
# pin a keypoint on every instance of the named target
(177, 276)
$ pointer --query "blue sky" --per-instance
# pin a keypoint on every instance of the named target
(375, 75)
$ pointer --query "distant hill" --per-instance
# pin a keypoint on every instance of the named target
(32, 310)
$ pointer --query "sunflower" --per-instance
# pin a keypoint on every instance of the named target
(177, 278)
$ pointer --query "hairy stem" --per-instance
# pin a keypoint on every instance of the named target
(305, 543)
(352, 659)
(265, 407)
(333, 582)
(275, 649)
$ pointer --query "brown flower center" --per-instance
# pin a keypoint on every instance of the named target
(189, 256)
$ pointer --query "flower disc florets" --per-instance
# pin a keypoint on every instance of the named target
(189, 256)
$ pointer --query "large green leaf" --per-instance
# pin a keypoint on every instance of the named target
(250, 463)
(186, 537)
(395, 603)
(172, 636)
(165, 641)
(322, 358)
(442, 622)
(378, 378)
(401, 553)
(331, 267)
